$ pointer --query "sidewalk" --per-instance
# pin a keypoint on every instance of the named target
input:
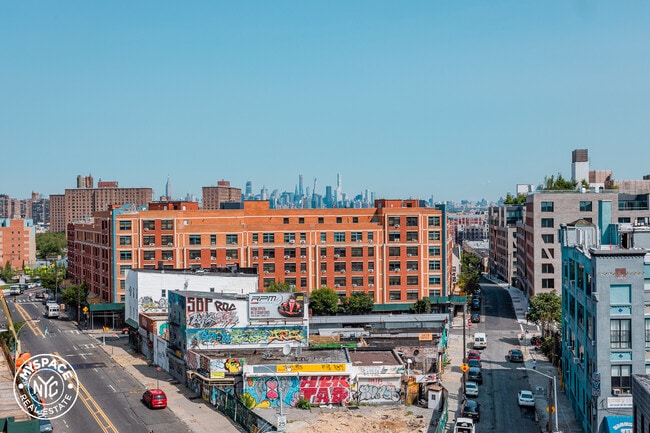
(197, 414)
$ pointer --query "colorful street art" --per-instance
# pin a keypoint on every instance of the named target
(266, 392)
(217, 338)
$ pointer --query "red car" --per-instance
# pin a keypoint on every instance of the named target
(474, 354)
(155, 398)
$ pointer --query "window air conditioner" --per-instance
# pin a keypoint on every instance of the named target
(354, 285)
(213, 258)
(255, 257)
(292, 241)
(322, 257)
(227, 257)
(302, 241)
(371, 285)
(616, 391)
(336, 256)
(286, 257)
(287, 271)
(409, 255)
(337, 285)
(266, 257)
(169, 244)
(152, 244)
(303, 257)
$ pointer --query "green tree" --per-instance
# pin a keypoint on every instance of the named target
(558, 184)
(7, 273)
(50, 244)
(281, 287)
(471, 268)
(74, 295)
(545, 310)
(422, 306)
(358, 303)
(323, 302)
(515, 201)
(52, 276)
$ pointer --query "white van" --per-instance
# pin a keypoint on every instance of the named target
(52, 310)
(480, 340)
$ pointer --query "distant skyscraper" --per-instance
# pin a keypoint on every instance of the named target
(168, 189)
(85, 181)
(300, 190)
(338, 184)
(249, 188)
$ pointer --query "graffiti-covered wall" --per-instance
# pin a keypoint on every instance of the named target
(379, 390)
(249, 337)
(318, 390)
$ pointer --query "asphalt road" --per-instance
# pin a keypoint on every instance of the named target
(501, 379)
(109, 399)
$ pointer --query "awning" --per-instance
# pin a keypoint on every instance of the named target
(132, 323)
(618, 424)
(113, 306)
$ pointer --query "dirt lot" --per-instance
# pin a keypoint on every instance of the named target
(359, 420)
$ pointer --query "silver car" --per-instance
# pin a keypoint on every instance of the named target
(471, 389)
(526, 398)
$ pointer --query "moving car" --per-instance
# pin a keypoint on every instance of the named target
(471, 409)
(476, 318)
(476, 304)
(515, 355)
(45, 426)
(480, 340)
(525, 398)
(471, 389)
(40, 294)
(475, 375)
(155, 398)
(15, 289)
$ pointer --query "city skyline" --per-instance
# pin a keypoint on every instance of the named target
(443, 101)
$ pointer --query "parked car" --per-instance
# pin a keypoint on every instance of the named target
(525, 398)
(474, 354)
(40, 294)
(471, 409)
(45, 426)
(476, 304)
(155, 398)
(475, 374)
(474, 363)
(471, 389)
(476, 318)
(515, 355)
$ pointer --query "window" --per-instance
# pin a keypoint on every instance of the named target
(434, 221)
(371, 281)
(125, 255)
(268, 281)
(434, 236)
(356, 236)
(125, 240)
(411, 236)
(412, 251)
(303, 238)
(411, 295)
(301, 220)
(585, 206)
(339, 252)
(149, 255)
(371, 251)
(620, 334)
(621, 376)
(393, 221)
(289, 268)
(339, 267)
(548, 283)
(412, 280)
(434, 280)
(269, 268)
(394, 295)
(213, 239)
(290, 237)
(370, 236)
(195, 254)
(394, 236)
(339, 220)
(547, 206)
(355, 220)
(323, 237)
(547, 222)
(269, 253)
(323, 253)
(357, 281)
(339, 236)
(411, 221)
(268, 238)
(195, 239)
(125, 225)
(213, 254)
(647, 333)
(394, 252)
(321, 220)
(434, 251)
(357, 266)
(285, 220)
(356, 252)
(167, 254)
(339, 282)
(232, 254)
(434, 265)
(167, 240)
(548, 239)
(323, 282)
(394, 281)
(411, 266)
(289, 253)
(124, 268)
(255, 238)
(232, 239)
(149, 225)
(394, 266)
(167, 224)
(547, 268)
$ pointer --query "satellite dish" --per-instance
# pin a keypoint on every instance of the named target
(286, 349)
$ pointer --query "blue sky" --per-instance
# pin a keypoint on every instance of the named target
(455, 100)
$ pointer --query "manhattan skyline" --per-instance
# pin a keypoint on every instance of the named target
(450, 101)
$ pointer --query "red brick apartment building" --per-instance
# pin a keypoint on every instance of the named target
(17, 242)
(398, 251)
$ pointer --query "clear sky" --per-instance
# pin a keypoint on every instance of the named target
(450, 99)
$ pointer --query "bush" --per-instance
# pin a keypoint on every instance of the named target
(303, 403)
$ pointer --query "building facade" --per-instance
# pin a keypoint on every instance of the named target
(502, 224)
(81, 203)
(605, 299)
(397, 252)
(215, 196)
(17, 242)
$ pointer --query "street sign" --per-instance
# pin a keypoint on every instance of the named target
(85, 309)
(464, 367)
(469, 324)
(282, 423)
(550, 409)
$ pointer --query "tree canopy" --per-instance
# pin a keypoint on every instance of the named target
(358, 303)
(545, 310)
(471, 267)
(74, 295)
(515, 200)
(282, 287)
(558, 183)
(422, 306)
(50, 244)
(324, 302)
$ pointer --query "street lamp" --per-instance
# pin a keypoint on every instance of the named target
(552, 407)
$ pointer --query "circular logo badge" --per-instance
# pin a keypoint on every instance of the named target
(46, 386)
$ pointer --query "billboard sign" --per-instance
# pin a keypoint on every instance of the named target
(262, 306)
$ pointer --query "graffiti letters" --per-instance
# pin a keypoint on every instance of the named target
(386, 393)
(325, 389)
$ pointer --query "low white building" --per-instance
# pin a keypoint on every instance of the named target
(146, 289)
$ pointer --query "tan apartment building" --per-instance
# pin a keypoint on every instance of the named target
(215, 196)
(398, 251)
(81, 203)
(17, 242)
(502, 223)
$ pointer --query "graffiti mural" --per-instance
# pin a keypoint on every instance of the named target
(264, 392)
(149, 305)
(217, 338)
(325, 389)
(378, 391)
